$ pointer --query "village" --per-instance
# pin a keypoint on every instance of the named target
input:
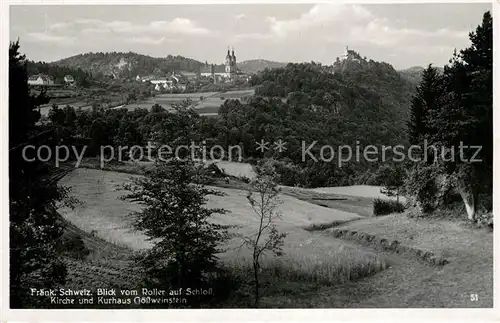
(172, 81)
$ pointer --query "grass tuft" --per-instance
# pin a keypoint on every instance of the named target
(384, 207)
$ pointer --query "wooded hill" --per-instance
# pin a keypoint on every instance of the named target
(126, 65)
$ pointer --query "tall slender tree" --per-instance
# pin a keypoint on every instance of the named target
(467, 119)
(464, 118)
(34, 229)
(429, 97)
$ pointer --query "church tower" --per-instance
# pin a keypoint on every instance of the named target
(233, 59)
(231, 64)
(229, 60)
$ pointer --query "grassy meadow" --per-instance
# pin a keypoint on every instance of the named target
(203, 102)
(317, 269)
(309, 257)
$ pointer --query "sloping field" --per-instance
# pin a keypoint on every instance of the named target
(194, 96)
(314, 253)
(319, 269)
(369, 191)
(44, 110)
(318, 255)
(237, 169)
(445, 238)
(210, 103)
(408, 283)
(102, 211)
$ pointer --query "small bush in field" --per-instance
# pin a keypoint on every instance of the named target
(245, 179)
(383, 207)
(74, 247)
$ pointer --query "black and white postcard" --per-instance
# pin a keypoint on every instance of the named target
(248, 156)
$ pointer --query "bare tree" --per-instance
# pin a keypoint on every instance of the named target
(263, 198)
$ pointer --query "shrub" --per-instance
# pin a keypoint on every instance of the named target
(245, 179)
(74, 247)
(421, 184)
(383, 207)
(288, 173)
(214, 171)
(485, 219)
(250, 160)
(176, 218)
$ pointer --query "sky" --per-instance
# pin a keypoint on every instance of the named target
(403, 35)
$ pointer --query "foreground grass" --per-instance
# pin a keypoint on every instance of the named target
(104, 212)
(360, 205)
(450, 239)
(470, 271)
(317, 270)
(311, 259)
(291, 276)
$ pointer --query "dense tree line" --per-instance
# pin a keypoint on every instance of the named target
(129, 65)
(455, 109)
(120, 127)
(365, 104)
(82, 78)
(34, 229)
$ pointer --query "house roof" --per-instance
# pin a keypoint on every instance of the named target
(43, 76)
(187, 73)
(163, 79)
(179, 78)
(208, 69)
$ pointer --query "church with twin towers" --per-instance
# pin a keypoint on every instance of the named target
(227, 72)
(231, 68)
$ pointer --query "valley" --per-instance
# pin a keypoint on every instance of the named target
(347, 273)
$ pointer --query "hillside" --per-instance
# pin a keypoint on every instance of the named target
(355, 102)
(354, 93)
(122, 65)
(131, 64)
(414, 74)
(256, 65)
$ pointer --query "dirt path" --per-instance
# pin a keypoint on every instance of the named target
(412, 283)
(407, 283)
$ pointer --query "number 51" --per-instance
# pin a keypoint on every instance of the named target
(474, 297)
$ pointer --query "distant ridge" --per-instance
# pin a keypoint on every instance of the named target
(414, 74)
(130, 64)
(121, 64)
(256, 65)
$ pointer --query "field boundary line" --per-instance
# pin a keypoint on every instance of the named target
(395, 246)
